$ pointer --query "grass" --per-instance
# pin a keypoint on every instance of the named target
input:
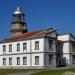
(42, 72)
(7, 71)
(54, 72)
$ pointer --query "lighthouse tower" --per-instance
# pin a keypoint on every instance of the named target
(18, 24)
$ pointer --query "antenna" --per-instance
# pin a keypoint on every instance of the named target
(18, 8)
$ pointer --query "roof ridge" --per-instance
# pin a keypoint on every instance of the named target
(42, 32)
(37, 33)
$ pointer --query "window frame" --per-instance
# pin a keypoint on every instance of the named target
(36, 45)
(10, 61)
(73, 59)
(24, 46)
(73, 47)
(4, 48)
(18, 47)
(50, 59)
(36, 60)
(18, 60)
(4, 61)
(10, 47)
(24, 60)
(50, 42)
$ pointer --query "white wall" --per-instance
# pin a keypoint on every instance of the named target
(14, 47)
(47, 60)
(47, 46)
(30, 49)
(30, 46)
(64, 37)
(14, 61)
(41, 45)
(30, 52)
(67, 58)
(66, 46)
(41, 59)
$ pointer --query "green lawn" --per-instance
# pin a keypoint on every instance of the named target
(54, 72)
(7, 71)
(42, 72)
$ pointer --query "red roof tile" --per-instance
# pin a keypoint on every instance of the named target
(27, 35)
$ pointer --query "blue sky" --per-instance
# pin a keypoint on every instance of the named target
(40, 14)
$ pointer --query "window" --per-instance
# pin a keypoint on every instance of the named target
(73, 59)
(4, 61)
(10, 61)
(73, 47)
(18, 60)
(36, 45)
(59, 45)
(4, 48)
(24, 60)
(36, 60)
(50, 59)
(50, 44)
(24, 46)
(64, 61)
(18, 47)
(10, 48)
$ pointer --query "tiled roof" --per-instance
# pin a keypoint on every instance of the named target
(27, 35)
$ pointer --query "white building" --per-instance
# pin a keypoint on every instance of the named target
(68, 48)
(28, 49)
(36, 49)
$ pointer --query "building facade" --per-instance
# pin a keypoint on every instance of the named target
(36, 49)
(68, 48)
